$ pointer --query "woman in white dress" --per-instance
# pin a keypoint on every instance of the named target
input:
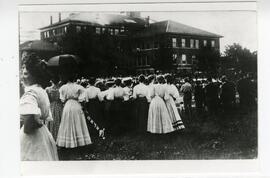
(37, 143)
(158, 116)
(73, 131)
(171, 97)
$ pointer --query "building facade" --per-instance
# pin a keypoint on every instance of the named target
(165, 45)
(180, 45)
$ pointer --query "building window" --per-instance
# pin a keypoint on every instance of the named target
(204, 43)
(191, 43)
(65, 29)
(174, 42)
(212, 43)
(110, 31)
(103, 30)
(98, 30)
(183, 42)
(116, 31)
(197, 44)
(78, 28)
(122, 29)
(193, 58)
(174, 58)
(184, 59)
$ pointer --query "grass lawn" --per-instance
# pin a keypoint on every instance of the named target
(230, 136)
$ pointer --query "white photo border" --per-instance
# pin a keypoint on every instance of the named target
(9, 74)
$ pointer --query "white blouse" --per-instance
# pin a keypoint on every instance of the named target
(72, 91)
(91, 92)
(159, 90)
(141, 90)
(118, 92)
(36, 101)
(171, 90)
(108, 94)
(127, 93)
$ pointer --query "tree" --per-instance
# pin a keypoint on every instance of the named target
(241, 58)
(208, 60)
(99, 59)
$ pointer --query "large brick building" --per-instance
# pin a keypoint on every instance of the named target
(177, 42)
(147, 46)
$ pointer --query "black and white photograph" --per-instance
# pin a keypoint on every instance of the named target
(135, 85)
(135, 88)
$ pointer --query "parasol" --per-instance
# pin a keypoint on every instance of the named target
(62, 60)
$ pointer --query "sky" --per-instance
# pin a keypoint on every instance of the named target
(235, 26)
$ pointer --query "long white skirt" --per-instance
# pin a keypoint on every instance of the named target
(158, 117)
(174, 114)
(73, 131)
(38, 146)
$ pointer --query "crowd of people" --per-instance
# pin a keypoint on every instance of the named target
(71, 110)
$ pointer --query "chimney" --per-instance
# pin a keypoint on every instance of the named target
(59, 17)
(133, 14)
(147, 24)
(51, 20)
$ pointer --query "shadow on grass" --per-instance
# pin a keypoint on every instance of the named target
(224, 136)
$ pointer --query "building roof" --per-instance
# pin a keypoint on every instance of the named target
(99, 19)
(169, 26)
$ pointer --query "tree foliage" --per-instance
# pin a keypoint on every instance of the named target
(102, 59)
(208, 59)
(240, 58)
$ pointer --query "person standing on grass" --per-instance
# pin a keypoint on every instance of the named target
(171, 97)
(186, 89)
(117, 107)
(107, 97)
(159, 120)
(92, 104)
(227, 94)
(36, 141)
(199, 95)
(56, 106)
(141, 105)
(211, 96)
(128, 118)
(73, 131)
